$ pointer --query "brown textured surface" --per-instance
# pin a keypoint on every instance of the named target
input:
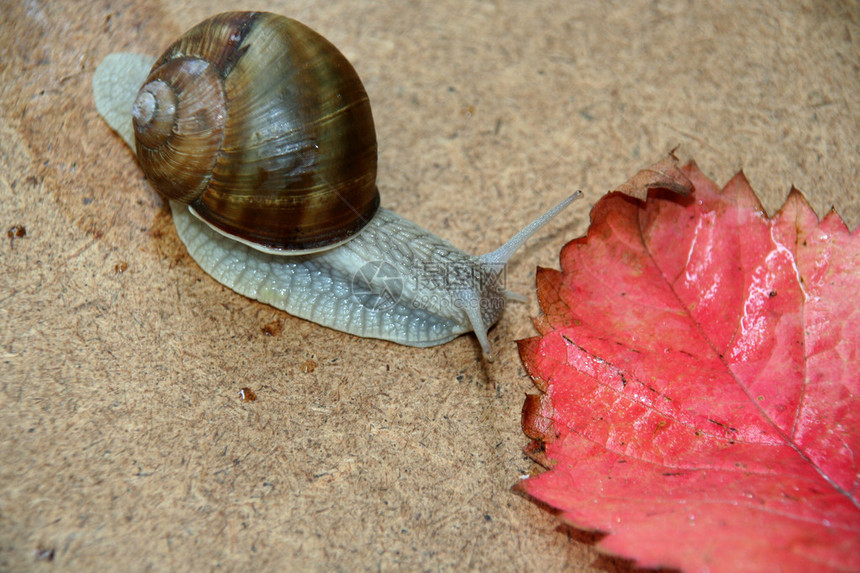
(124, 442)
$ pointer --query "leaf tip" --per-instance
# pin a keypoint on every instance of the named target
(797, 202)
(536, 451)
(834, 222)
(537, 417)
(664, 174)
(526, 347)
(796, 205)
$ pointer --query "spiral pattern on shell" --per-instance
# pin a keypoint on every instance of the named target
(264, 129)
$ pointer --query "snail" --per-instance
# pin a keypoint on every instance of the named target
(259, 133)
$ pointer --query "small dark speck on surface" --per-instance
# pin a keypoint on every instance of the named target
(16, 232)
(45, 554)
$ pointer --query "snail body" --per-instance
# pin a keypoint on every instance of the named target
(259, 134)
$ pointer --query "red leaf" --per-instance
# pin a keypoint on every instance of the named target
(698, 364)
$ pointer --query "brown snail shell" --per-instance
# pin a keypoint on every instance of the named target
(264, 129)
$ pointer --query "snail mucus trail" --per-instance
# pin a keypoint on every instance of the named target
(258, 132)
